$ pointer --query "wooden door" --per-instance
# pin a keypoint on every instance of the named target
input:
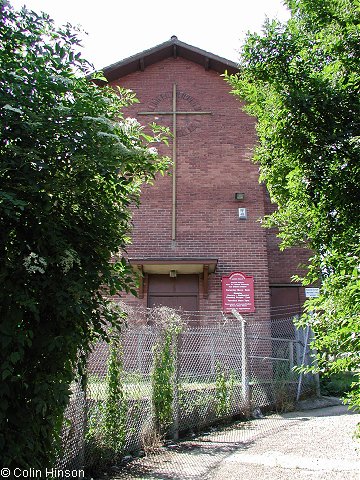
(181, 292)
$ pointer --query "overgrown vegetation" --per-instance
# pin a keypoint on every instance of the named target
(224, 389)
(163, 373)
(337, 385)
(106, 426)
(71, 167)
(284, 395)
(115, 405)
(301, 80)
(159, 387)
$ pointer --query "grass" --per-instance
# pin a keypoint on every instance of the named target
(139, 387)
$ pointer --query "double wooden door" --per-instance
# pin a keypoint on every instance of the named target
(180, 293)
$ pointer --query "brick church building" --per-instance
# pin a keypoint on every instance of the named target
(197, 240)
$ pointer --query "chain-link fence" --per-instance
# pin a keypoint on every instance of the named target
(166, 376)
(73, 431)
(274, 350)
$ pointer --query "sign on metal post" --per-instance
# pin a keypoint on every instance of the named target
(238, 293)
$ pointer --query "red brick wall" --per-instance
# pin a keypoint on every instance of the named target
(213, 162)
(283, 264)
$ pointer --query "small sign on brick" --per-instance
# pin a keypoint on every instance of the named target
(312, 292)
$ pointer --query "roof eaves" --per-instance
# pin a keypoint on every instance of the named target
(165, 50)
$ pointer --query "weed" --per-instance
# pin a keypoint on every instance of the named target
(106, 427)
(224, 390)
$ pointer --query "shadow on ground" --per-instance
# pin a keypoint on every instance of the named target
(198, 457)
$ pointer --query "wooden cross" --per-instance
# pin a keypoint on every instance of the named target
(174, 114)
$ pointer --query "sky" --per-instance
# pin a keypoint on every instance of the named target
(117, 29)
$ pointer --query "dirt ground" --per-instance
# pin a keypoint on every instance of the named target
(314, 443)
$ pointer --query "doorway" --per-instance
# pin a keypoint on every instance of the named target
(180, 293)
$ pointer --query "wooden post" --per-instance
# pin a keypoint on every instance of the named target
(244, 367)
(82, 392)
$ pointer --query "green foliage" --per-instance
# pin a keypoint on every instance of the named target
(106, 428)
(162, 382)
(197, 404)
(115, 405)
(71, 168)
(337, 385)
(301, 80)
(224, 389)
(162, 375)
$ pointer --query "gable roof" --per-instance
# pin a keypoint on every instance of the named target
(172, 48)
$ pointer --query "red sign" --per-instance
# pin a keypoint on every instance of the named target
(238, 293)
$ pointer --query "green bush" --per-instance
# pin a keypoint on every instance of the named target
(163, 379)
(224, 390)
(337, 385)
(71, 168)
(300, 79)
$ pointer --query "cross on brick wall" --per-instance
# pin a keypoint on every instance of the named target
(174, 113)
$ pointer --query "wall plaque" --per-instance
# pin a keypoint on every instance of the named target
(238, 293)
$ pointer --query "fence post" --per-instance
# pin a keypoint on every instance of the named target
(212, 354)
(291, 355)
(139, 351)
(306, 340)
(316, 374)
(245, 386)
(298, 341)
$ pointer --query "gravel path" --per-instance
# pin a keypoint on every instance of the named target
(316, 444)
(311, 444)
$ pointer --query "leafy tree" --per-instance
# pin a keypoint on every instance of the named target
(301, 80)
(71, 168)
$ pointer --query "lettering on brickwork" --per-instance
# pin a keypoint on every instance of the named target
(187, 123)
